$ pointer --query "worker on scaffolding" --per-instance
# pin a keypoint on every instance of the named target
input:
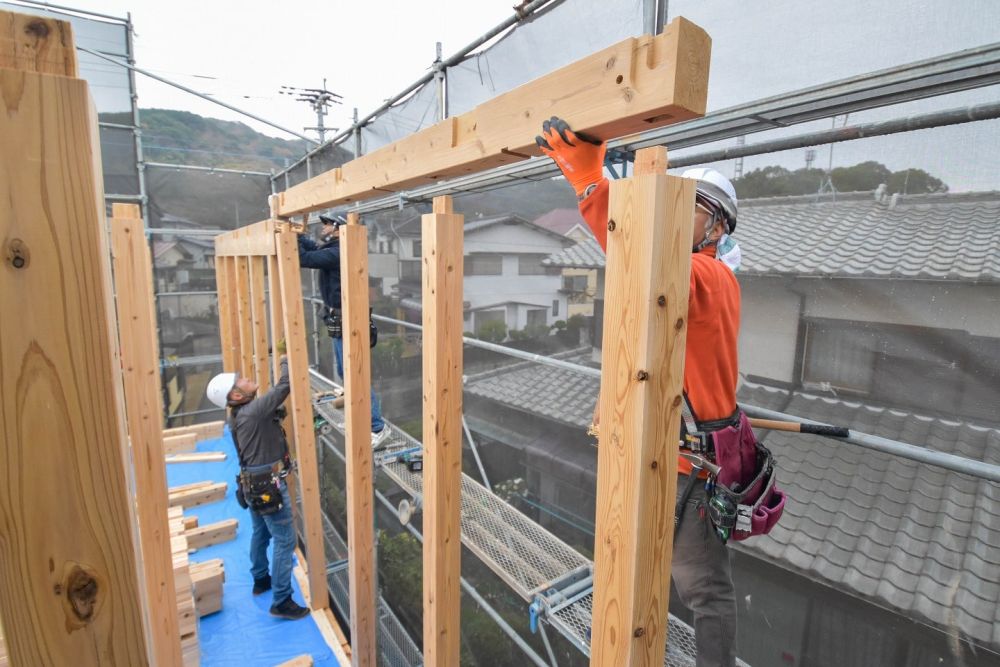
(325, 257)
(701, 568)
(255, 426)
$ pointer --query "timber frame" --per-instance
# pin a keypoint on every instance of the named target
(636, 84)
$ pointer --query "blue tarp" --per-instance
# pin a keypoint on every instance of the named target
(243, 634)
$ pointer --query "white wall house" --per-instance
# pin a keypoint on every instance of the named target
(505, 280)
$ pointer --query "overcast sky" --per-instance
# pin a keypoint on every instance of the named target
(244, 51)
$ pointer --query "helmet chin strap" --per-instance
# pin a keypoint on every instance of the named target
(708, 240)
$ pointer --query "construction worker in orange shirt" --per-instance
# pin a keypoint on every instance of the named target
(701, 568)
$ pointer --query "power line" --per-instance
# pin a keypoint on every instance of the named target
(317, 98)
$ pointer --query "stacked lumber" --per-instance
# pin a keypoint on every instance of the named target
(176, 444)
(208, 431)
(195, 457)
(199, 493)
(208, 578)
(213, 533)
(186, 613)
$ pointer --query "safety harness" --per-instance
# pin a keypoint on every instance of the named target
(743, 499)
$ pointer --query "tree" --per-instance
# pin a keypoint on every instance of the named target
(775, 181)
(492, 332)
(865, 176)
(915, 182)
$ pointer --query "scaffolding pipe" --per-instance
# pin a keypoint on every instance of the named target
(192, 167)
(521, 14)
(72, 10)
(951, 462)
(475, 453)
(195, 93)
(957, 116)
(466, 586)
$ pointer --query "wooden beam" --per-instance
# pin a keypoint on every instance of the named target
(196, 457)
(69, 574)
(302, 414)
(276, 314)
(202, 493)
(176, 444)
(133, 278)
(206, 431)
(645, 326)
(246, 359)
(213, 533)
(442, 370)
(304, 660)
(358, 441)
(637, 84)
(258, 311)
(227, 336)
(233, 314)
(36, 44)
(253, 240)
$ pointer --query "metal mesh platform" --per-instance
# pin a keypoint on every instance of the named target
(395, 646)
(527, 557)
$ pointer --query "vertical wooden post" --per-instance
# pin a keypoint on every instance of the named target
(276, 315)
(144, 411)
(645, 324)
(246, 358)
(69, 587)
(301, 413)
(358, 442)
(224, 307)
(442, 236)
(231, 314)
(258, 310)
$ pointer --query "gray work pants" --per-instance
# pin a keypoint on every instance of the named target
(703, 577)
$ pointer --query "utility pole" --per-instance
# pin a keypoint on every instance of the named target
(319, 99)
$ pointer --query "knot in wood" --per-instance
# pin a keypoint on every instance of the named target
(642, 376)
(81, 592)
(679, 324)
(611, 225)
(17, 253)
(37, 28)
(654, 465)
(677, 401)
(639, 632)
(661, 300)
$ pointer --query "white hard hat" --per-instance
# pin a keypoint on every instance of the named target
(716, 188)
(219, 387)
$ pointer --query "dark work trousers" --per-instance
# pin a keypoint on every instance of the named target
(703, 577)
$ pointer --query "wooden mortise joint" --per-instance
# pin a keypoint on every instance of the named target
(354, 218)
(443, 205)
(652, 160)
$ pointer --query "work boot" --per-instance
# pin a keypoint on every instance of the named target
(288, 608)
(379, 439)
(262, 585)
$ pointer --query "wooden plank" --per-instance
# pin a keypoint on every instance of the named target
(176, 444)
(196, 457)
(207, 578)
(213, 533)
(233, 314)
(301, 413)
(358, 441)
(190, 522)
(253, 240)
(649, 259)
(202, 494)
(637, 84)
(206, 431)
(324, 619)
(36, 44)
(133, 279)
(245, 321)
(304, 660)
(442, 401)
(227, 336)
(258, 311)
(69, 576)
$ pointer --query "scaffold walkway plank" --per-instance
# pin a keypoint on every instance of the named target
(527, 557)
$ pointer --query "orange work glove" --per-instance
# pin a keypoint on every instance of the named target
(580, 157)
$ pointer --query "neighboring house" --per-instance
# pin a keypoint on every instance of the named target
(505, 280)
(383, 263)
(579, 281)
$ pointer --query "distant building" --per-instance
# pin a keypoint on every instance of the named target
(505, 280)
(579, 279)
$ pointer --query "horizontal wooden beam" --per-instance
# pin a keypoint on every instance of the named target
(176, 444)
(196, 457)
(255, 239)
(213, 533)
(197, 494)
(206, 431)
(638, 84)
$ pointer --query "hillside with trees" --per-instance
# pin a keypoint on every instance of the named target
(777, 181)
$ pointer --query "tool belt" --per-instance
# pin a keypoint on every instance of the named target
(743, 499)
(335, 325)
(259, 488)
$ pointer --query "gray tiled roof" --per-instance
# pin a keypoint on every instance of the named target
(586, 254)
(938, 237)
(931, 237)
(918, 539)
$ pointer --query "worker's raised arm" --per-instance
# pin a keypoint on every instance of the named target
(275, 396)
(312, 256)
(581, 159)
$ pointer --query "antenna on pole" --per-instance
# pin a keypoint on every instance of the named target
(319, 99)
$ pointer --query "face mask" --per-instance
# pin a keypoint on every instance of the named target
(728, 252)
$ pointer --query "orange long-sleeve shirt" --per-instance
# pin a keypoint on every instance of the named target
(710, 362)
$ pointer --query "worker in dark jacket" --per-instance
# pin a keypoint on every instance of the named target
(325, 257)
(255, 424)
